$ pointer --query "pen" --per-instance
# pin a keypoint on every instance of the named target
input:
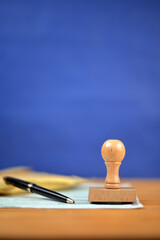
(33, 188)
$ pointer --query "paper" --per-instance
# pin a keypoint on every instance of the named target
(46, 180)
(79, 194)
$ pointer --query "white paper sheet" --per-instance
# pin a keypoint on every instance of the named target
(79, 194)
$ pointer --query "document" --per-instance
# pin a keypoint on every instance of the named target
(78, 193)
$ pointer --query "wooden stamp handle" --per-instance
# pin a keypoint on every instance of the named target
(113, 152)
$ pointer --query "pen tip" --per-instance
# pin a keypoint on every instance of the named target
(70, 200)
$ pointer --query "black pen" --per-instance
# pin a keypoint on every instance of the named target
(33, 188)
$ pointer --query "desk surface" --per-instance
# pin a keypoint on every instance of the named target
(90, 223)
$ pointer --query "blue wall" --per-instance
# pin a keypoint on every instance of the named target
(75, 73)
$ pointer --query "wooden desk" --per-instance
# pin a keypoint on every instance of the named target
(87, 224)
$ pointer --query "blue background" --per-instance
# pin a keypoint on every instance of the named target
(74, 74)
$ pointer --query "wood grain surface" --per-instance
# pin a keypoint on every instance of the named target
(90, 223)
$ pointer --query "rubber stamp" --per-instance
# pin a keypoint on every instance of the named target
(113, 152)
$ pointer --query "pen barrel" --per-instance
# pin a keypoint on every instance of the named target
(33, 188)
(48, 193)
(17, 182)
